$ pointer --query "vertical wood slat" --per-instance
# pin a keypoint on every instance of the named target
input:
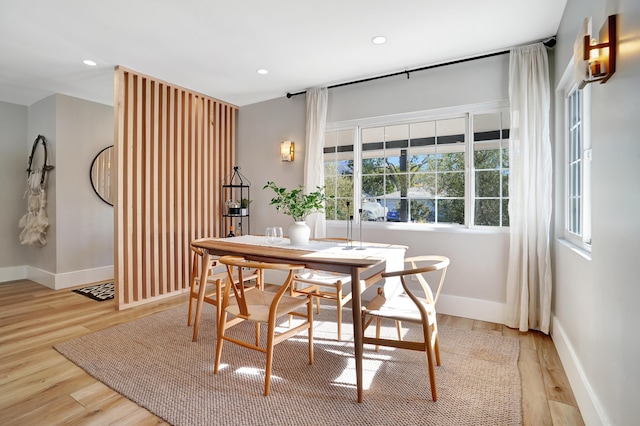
(173, 149)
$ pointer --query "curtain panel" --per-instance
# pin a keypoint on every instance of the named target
(529, 283)
(317, 99)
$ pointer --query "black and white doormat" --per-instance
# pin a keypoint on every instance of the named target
(99, 292)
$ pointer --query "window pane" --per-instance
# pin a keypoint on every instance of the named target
(423, 185)
(330, 168)
(505, 212)
(451, 161)
(372, 211)
(423, 211)
(487, 212)
(396, 209)
(421, 132)
(373, 186)
(396, 183)
(344, 186)
(343, 212)
(451, 211)
(338, 170)
(330, 210)
(373, 134)
(505, 183)
(505, 157)
(373, 165)
(486, 158)
(396, 133)
(330, 184)
(450, 131)
(451, 184)
(421, 163)
(488, 183)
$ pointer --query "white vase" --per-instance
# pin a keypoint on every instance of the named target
(299, 233)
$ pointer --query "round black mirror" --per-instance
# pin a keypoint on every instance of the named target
(100, 174)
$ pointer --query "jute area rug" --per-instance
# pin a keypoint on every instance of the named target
(153, 362)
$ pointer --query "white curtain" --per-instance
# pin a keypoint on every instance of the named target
(313, 159)
(529, 271)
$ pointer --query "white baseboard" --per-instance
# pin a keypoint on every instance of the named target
(47, 279)
(13, 273)
(476, 309)
(85, 276)
(590, 408)
(56, 281)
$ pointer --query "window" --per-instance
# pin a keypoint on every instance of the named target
(578, 170)
(491, 168)
(338, 173)
(423, 170)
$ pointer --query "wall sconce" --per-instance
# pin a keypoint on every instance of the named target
(600, 55)
(286, 150)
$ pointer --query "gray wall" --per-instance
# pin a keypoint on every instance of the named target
(79, 245)
(42, 260)
(13, 165)
(475, 285)
(596, 299)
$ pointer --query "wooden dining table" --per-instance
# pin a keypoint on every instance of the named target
(365, 262)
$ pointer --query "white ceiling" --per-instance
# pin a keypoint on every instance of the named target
(215, 47)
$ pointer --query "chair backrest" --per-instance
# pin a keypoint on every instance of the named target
(418, 268)
(239, 265)
(435, 261)
(197, 255)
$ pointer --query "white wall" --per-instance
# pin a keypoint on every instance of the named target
(84, 222)
(13, 166)
(79, 245)
(475, 285)
(596, 299)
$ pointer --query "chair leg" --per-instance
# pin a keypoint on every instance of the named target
(432, 372)
(310, 319)
(399, 329)
(267, 370)
(429, 349)
(339, 309)
(221, 325)
(192, 284)
(257, 334)
(436, 344)
(190, 309)
(196, 325)
(377, 332)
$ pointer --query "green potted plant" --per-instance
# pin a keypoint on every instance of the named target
(244, 206)
(298, 205)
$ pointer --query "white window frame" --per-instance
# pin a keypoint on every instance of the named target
(407, 118)
(566, 87)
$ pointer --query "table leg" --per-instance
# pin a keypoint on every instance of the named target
(204, 274)
(356, 303)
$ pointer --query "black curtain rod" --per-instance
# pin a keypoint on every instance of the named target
(407, 72)
(549, 43)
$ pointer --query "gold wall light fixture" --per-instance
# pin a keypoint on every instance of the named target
(286, 150)
(600, 53)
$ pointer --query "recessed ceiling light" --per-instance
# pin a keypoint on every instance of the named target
(378, 39)
(89, 62)
(263, 71)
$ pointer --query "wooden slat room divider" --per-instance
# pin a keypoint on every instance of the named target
(173, 148)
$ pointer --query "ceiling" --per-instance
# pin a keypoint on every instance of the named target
(215, 47)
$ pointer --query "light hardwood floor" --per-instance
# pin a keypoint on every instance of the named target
(38, 386)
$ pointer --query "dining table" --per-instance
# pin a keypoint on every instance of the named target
(363, 261)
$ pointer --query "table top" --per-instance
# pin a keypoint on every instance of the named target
(317, 252)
